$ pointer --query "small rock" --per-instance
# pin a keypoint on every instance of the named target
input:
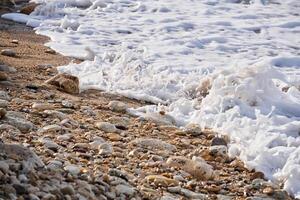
(33, 197)
(5, 68)
(72, 169)
(42, 106)
(67, 104)
(20, 189)
(105, 149)
(268, 190)
(67, 190)
(3, 76)
(28, 8)
(124, 189)
(120, 122)
(160, 180)
(51, 129)
(160, 118)
(117, 106)
(257, 175)
(17, 120)
(193, 129)
(218, 150)
(3, 103)
(197, 167)
(153, 144)
(2, 113)
(65, 82)
(96, 143)
(8, 52)
(187, 193)
(216, 141)
(4, 167)
(48, 143)
(15, 41)
(50, 51)
(106, 127)
(4, 96)
(65, 137)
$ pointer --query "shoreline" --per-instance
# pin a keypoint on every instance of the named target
(91, 106)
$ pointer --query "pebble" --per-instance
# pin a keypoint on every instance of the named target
(5, 68)
(3, 76)
(120, 122)
(17, 120)
(124, 189)
(187, 193)
(50, 129)
(48, 143)
(3, 103)
(105, 149)
(67, 190)
(67, 104)
(117, 106)
(193, 129)
(153, 144)
(65, 82)
(4, 167)
(106, 127)
(65, 137)
(160, 180)
(42, 106)
(197, 167)
(268, 190)
(72, 169)
(217, 141)
(218, 150)
(15, 41)
(8, 52)
(2, 113)
(4, 96)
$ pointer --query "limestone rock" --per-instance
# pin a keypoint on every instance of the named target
(160, 180)
(8, 52)
(106, 127)
(2, 113)
(3, 76)
(197, 167)
(28, 8)
(153, 144)
(117, 106)
(65, 82)
(17, 120)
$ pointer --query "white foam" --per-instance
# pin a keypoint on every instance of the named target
(230, 66)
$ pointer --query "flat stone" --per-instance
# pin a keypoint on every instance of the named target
(124, 189)
(54, 128)
(2, 113)
(196, 167)
(3, 76)
(117, 106)
(4, 167)
(72, 169)
(42, 106)
(6, 68)
(160, 180)
(4, 96)
(65, 82)
(67, 190)
(106, 127)
(216, 141)
(17, 120)
(3, 103)
(8, 52)
(120, 122)
(153, 144)
(105, 149)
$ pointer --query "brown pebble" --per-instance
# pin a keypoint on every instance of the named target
(268, 191)
(3, 76)
(256, 175)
